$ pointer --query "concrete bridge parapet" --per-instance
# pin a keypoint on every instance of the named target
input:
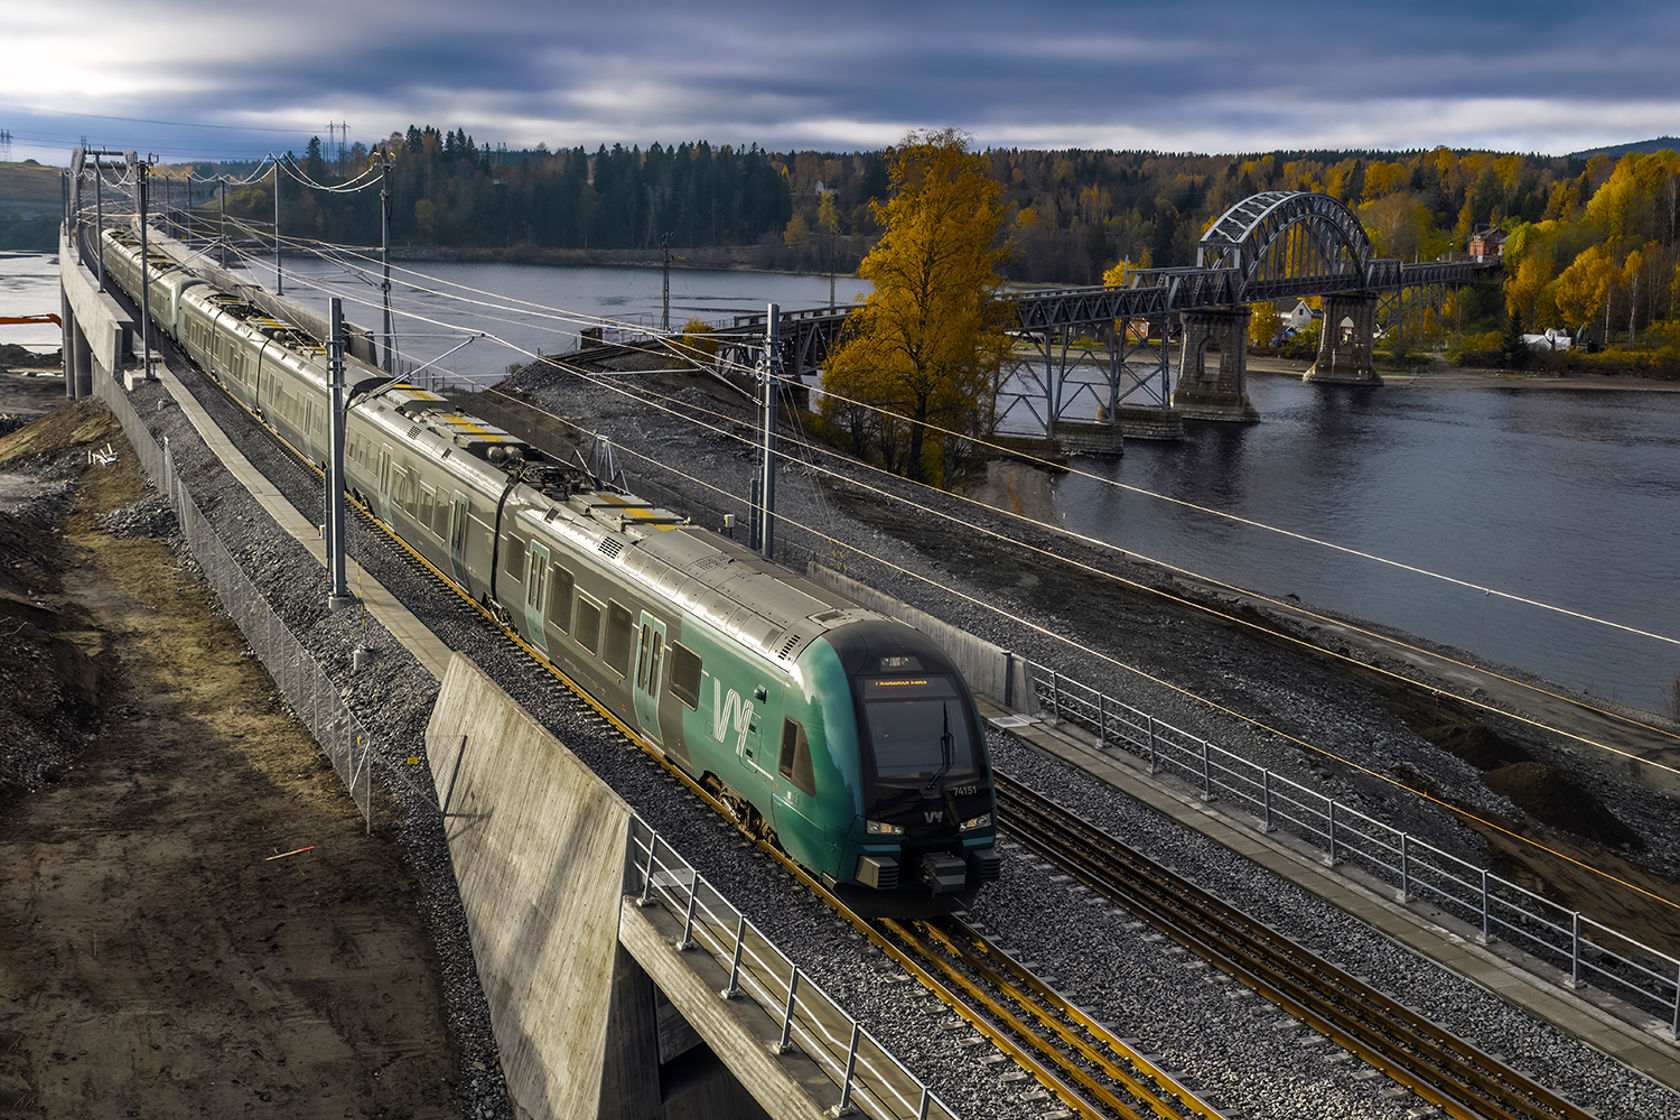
(1345, 346)
(97, 331)
(1215, 390)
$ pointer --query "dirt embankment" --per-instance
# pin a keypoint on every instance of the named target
(161, 953)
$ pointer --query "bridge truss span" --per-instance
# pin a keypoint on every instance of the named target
(1277, 245)
(1294, 241)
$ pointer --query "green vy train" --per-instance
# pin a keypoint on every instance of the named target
(849, 739)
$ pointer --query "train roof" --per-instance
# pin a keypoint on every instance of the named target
(762, 605)
(434, 422)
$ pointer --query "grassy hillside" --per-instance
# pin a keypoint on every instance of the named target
(30, 202)
(1617, 151)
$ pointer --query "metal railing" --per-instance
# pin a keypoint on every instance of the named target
(310, 694)
(1586, 951)
(871, 1081)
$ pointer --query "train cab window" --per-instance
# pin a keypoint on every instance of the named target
(588, 632)
(685, 675)
(916, 726)
(513, 558)
(796, 758)
(560, 599)
(616, 649)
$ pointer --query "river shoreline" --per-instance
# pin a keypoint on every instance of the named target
(1473, 378)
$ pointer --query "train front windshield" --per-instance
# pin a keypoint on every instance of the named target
(918, 728)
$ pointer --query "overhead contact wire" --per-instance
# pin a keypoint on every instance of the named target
(1210, 702)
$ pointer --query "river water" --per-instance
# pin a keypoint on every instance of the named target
(1569, 498)
(627, 298)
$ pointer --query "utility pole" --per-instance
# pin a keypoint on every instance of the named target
(99, 216)
(279, 281)
(770, 370)
(140, 179)
(221, 235)
(665, 252)
(390, 342)
(338, 595)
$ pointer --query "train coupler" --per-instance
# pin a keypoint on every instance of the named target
(943, 873)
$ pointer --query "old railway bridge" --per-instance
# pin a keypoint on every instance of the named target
(1271, 246)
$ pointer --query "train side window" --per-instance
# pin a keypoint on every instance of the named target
(411, 492)
(685, 675)
(427, 509)
(513, 558)
(796, 758)
(560, 599)
(588, 633)
(440, 519)
(616, 651)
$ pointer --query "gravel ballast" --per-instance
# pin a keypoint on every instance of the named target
(1247, 1056)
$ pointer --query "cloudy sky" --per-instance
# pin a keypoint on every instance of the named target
(186, 79)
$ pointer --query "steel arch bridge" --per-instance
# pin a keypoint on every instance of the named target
(1288, 243)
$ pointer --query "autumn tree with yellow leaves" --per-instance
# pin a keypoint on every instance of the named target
(918, 366)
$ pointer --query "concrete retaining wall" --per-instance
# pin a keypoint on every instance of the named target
(989, 669)
(538, 843)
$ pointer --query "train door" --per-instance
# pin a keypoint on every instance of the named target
(385, 482)
(650, 672)
(536, 588)
(457, 533)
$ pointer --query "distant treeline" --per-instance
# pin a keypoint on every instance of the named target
(1073, 214)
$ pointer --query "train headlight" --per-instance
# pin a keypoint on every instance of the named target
(882, 828)
(984, 820)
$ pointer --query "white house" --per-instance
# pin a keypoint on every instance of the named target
(1299, 318)
(1553, 339)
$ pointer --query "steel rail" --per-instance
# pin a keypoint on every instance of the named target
(1091, 1041)
(1086, 1095)
(1439, 1067)
(1045, 1074)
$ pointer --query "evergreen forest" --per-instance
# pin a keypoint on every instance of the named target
(1591, 241)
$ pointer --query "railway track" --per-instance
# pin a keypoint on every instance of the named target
(1093, 1072)
(1454, 1076)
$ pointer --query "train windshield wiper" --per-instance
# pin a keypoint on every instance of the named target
(946, 742)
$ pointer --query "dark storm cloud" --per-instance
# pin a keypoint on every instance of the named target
(1222, 76)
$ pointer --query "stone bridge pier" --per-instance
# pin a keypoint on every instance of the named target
(1344, 347)
(1213, 367)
